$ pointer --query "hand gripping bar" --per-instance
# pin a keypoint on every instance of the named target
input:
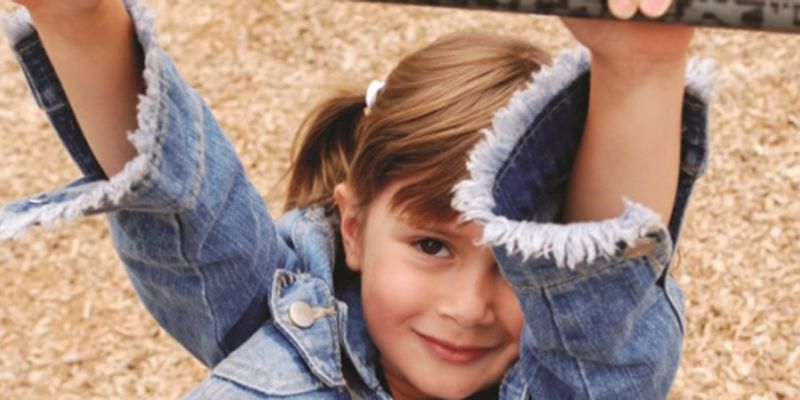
(760, 15)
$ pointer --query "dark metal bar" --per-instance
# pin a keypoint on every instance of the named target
(760, 15)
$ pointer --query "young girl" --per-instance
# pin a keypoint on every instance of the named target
(486, 223)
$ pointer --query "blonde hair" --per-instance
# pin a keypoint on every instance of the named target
(425, 121)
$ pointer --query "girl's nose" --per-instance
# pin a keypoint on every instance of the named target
(468, 300)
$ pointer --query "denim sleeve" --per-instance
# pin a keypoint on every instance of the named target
(603, 318)
(194, 234)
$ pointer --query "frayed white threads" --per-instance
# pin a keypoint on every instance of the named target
(17, 25)
(700, 79)
(571, 244)
(473, 197)
(576, 243)
(103, 193)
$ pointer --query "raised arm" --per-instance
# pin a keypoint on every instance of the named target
(194, 234)
(604, 319)
(93, 48)
(632, 139)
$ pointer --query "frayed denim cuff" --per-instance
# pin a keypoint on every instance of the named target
(171, 120)
(519, 174)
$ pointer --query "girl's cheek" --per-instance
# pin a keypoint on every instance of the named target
(401, 282)
(511, 312)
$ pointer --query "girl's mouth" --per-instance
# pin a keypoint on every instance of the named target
(453, 353)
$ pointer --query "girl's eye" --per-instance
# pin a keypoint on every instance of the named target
(433, 247)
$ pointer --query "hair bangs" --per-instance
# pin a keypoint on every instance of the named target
(429, 198)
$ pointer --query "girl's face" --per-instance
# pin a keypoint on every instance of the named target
(444, 320)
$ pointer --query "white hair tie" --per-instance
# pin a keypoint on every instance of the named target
(372, 93)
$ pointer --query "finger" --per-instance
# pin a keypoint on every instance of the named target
(623, 9)
(654, 8)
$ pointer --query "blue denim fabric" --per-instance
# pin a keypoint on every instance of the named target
(221, 277)
(612, 328)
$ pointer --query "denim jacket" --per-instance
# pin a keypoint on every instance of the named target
(254, 299)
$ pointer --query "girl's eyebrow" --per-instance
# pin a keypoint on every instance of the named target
(447, 229)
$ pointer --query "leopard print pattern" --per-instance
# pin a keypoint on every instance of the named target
(762, 15)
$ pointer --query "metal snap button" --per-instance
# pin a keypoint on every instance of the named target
(301, 314)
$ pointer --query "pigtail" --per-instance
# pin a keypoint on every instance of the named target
(433, 111)
(322, 151)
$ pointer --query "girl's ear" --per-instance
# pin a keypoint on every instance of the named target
(350, 225)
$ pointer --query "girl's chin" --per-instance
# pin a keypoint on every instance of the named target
(445, 388)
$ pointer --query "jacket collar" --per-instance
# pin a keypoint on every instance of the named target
(304, 310)
(355, 336)
(336, 324)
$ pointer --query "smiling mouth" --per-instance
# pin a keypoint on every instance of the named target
(452, 353)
